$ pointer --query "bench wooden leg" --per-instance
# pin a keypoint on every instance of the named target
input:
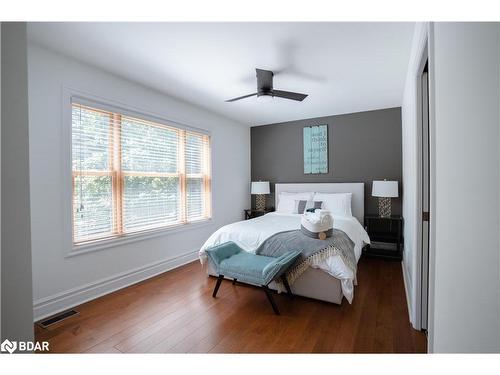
(271, 299)
(287, 286)
(217, 285)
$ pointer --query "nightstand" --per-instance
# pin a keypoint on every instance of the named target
(251, 213)
(386, 236)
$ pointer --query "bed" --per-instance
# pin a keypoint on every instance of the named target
(326, 279)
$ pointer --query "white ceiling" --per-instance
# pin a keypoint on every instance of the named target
(344, 67)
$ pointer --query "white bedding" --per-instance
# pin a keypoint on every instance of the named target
(250, 234)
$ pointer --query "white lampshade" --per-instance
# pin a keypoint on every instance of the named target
(385, 189)
(260, 187)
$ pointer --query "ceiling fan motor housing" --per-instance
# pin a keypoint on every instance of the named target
(264, 82)
(265, 88)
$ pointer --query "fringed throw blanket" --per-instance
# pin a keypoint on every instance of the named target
(313, 250)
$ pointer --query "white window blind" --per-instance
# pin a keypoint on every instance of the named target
(132, 175)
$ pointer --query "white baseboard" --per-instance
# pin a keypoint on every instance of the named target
(51, 305)
(407, 284)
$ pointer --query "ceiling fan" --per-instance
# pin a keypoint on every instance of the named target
(265, 88)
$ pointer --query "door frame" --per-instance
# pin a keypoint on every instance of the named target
(425, 53)
(432, 189)
(423, 60)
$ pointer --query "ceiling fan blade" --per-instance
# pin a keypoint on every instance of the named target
(241, 97)
(264, 80)
(289, 95)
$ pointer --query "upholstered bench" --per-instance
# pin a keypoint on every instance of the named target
(229, 260)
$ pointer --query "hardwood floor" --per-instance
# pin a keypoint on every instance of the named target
(175, 313)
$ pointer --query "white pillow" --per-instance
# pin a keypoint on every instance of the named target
(286, 201)
(337, 203)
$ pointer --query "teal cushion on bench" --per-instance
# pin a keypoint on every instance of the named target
(220, 252)
(231, 261)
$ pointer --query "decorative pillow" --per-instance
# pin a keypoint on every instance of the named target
(300, 206)
(337, 203)
(286, 201)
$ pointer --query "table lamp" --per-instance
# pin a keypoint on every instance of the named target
(260, 188)
(385, 190)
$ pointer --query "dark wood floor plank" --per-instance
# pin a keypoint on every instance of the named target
(205, 336)
(231, 325)
(327, 332)
(123, 309)
(365, 331)
(151, 336)
(174, 312)
(218, 310)
(249, 326)
(351, 314)
(148, 324)
(383, 330)
(275, 334)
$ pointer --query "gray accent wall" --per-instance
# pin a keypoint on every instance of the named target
(363, 147)
(16, 285)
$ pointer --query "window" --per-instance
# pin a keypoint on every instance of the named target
(132, 175)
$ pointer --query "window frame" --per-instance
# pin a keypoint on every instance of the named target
(69, 97)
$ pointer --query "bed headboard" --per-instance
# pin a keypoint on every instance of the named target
(357, 189)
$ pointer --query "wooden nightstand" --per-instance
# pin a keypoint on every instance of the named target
(386, 236)
(251, 213)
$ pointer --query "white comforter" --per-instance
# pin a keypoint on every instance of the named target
(250, 234)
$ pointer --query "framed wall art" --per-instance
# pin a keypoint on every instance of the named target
(316, 149)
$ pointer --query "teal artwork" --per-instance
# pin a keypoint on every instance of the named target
(316, 149)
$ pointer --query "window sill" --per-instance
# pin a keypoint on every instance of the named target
(134, 237)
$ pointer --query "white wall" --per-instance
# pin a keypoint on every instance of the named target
(466, 316)
(464, 300)
(61, 281)
(0, 179)
(499, 183)
(410, 199)
(16, 285)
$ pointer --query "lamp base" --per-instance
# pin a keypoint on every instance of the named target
(260, 202)
(384, 207)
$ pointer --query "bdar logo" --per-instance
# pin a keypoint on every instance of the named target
(8, 346)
